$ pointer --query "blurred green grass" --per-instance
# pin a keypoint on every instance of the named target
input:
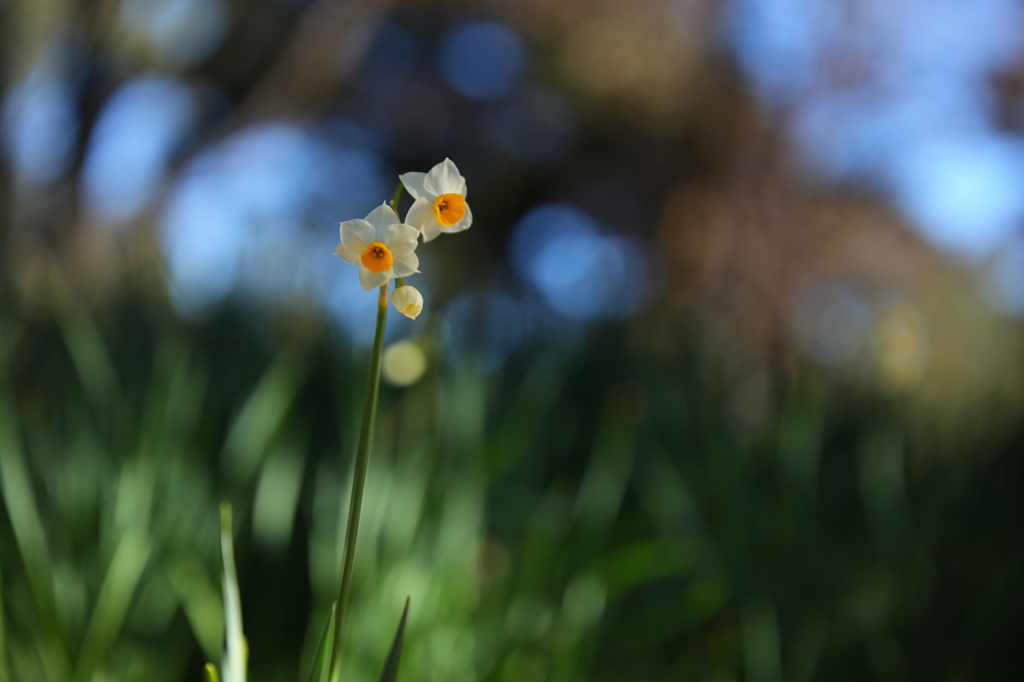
(593, 511)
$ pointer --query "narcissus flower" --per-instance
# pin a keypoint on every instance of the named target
(381, 245)
(440, 204)
(408, 301)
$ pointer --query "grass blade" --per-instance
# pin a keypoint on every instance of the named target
(29, 531)
(201, 602)
(89, 354)
(210, 673)
(234, 654)
(390, 673)
(119, 585)
(4, 675)
(264, 413)
(319, 672)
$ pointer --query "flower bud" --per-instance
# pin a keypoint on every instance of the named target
(408, 301)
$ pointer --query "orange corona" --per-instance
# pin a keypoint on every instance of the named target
(449, 208)
(377, 257)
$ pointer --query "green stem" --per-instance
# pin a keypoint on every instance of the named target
(398, 195)
(359, 477)
(399, 281)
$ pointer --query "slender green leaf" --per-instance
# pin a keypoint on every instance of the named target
(29, 532)
(89, 353)
(235, 646)
(390, 673)
(808, 644)
(263, 414)
(210, 673)
(319, 672)
(115, 597)
(761, 654)
(277, 495)
(201, 603)
(4, 674)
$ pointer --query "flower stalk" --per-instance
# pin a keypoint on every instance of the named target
(398, 195)
(359, 477)
(383, 247)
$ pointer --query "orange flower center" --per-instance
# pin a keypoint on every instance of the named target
(449, 208)
(377, 257)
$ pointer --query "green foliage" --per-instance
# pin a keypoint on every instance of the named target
(390, 672)
(99, 496)
(235, 660)
(565, 518)
(319, 671)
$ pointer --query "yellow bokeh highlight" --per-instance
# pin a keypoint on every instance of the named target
(404, 363)
(902, 345)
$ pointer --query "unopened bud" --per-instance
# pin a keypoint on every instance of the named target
(408, 301)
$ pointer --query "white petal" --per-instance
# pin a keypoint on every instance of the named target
(414, 185)
(370, 280)
(431, 230)
(444, 178)
(357, 234)
(404, 247)
(419, 213)
(381, 218)
(400, 237)
(406, 264)
(348, 254)
(463, 224)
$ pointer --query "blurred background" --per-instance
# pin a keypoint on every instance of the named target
(724, 384)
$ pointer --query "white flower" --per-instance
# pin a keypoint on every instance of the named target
(440, 204)
(381, 246)
(408, 301)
